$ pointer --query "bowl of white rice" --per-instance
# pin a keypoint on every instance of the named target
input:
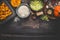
(23, 11)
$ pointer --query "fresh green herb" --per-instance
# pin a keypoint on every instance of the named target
(45, 17)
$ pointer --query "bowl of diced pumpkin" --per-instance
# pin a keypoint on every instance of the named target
(6, 12)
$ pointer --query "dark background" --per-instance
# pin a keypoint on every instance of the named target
(13, 31)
